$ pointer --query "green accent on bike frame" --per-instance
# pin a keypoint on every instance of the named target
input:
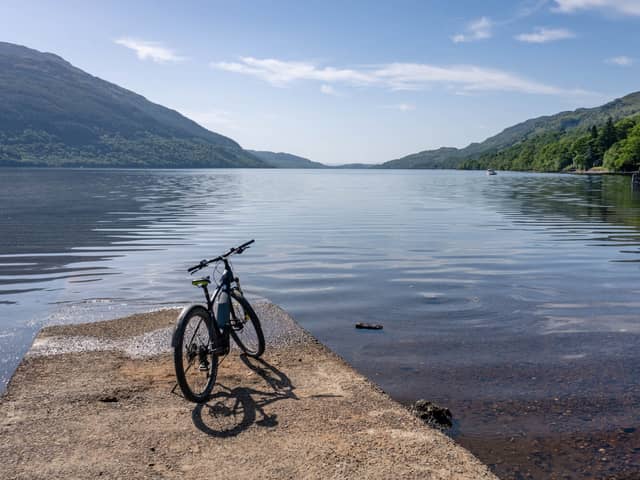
(200, 283)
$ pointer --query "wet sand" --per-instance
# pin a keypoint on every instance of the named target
(95, 400)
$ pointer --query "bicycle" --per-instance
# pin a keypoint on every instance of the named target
(203, 333)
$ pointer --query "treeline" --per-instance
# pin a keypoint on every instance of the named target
(612, 146)
(40, 148)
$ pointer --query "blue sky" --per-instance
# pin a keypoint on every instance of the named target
(348, 81)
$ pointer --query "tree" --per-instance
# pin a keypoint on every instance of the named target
(624, 155)
(581, 152)
(608, 136)
(624, 126)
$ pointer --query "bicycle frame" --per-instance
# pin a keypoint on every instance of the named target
(221, 316)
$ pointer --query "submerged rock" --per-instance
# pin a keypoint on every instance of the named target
(369, 326)
(432, 414)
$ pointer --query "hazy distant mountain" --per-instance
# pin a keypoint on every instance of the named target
(552, 125)
(356, 166)
(52, 113)
(285, 160)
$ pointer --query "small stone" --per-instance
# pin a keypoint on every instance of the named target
(109, 399)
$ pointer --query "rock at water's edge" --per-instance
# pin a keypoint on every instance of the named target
(432, 414)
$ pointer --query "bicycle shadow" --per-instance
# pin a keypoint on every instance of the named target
(231, 411)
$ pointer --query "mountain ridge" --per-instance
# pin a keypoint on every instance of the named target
(55, 114)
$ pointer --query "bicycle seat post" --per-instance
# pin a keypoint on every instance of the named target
(208, 297)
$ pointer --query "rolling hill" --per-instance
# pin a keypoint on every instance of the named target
(54, 114)
(541, 130)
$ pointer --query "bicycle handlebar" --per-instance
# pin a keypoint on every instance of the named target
(235, 250)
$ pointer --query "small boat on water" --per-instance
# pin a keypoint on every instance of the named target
(491, 172)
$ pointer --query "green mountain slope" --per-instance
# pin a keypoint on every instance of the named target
(285, 160)
(354, 166)
(613, 146)
(54, 114)
(550, 127)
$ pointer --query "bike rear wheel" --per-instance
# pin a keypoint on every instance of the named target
(245, 326)
(195, 363)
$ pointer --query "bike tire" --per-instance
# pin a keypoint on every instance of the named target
(245, 326)
(193, 333)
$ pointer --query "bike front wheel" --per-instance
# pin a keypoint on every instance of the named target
(195, 363)
(245, 326)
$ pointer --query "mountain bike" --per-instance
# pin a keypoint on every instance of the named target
(203, 331)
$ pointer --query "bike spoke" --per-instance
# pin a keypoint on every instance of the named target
(244, 329)
(197, 338)
(196, 331)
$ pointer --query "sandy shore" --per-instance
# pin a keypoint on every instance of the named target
(95, 400)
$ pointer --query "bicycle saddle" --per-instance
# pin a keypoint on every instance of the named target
(201, 282)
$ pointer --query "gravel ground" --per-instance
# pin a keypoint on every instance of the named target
(95, 400)
(145, 335)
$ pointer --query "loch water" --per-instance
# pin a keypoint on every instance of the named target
(512, 299)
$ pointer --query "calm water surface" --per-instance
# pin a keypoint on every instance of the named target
(512, 299)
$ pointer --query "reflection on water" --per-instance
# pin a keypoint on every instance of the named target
(500, 295)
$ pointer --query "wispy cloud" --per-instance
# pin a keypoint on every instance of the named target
(403, 107)
(479, 29)
(484, 27)
(621, 61)
(624, 7)
(394, 76)
(146, 50)
(281, 72)
(526, 9)
(329, 90)
(412, 76)
(545, 35)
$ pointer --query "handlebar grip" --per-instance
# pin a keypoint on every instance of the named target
(246, 244)
(202, 264)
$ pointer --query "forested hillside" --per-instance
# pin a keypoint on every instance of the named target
(577, 139)
(613, 146)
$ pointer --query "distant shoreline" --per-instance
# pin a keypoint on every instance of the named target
(324, 169)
